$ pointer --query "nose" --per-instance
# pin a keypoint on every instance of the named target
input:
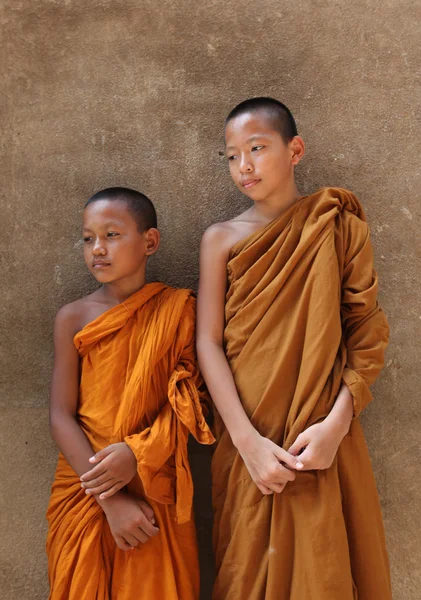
(98, 248)
(246, 166)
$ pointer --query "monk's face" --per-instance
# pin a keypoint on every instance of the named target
(114, 248)
(261, 163)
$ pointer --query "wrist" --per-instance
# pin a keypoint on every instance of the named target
(242, 439)
(132, 454)
(337, 426)
(340, 417)
(108, 503)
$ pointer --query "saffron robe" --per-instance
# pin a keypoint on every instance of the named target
(139, 384)
(301, 318)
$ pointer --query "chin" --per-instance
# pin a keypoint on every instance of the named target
(102, 277)
(255, 195)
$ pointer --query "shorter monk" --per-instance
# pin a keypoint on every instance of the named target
(125, 394)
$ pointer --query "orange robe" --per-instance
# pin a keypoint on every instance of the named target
(301, 318)
(139, 383)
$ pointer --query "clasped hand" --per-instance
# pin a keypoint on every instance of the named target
(116, 466)
(317, 446)
(132, 521)
(271, 467)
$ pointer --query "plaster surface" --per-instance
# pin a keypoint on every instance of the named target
(134, 93)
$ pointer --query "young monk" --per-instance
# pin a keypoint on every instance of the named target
(290, 336)
(125, 395)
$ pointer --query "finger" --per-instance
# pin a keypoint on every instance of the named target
(264, 489)
(101, 488)
(101, 454)
(279, 475)
(122, 544)
(147, 526)
(289, 459)
(131, 539)
(285, 474)
(111, 491)
(307, 459)
(93, 473)
(300, 443)
(277, 487)
(96, 481)
(148, 510)
(141, 536)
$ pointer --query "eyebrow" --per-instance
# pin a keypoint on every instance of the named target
(252, 138)
(108, 224)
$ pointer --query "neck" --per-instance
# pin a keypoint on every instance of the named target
(271, 207)
(118, 291)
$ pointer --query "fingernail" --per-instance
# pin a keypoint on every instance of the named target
(101, 496)
(299, 464)
(92, 459)
(153, 520)
(87, 491)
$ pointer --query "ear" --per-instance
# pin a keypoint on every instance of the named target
(297, 148)
(153, 237)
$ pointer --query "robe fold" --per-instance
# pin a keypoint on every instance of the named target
(139, 384)
(301, 318)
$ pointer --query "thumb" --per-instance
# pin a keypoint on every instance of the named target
(299, 444)
(101, 455)
(148, 511)
(288, 459)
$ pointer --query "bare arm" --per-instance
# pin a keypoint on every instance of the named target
(262, 457)
(64, 427)
(210, 327)
(340, 416)
(130, 520)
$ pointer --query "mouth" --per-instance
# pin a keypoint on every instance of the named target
(249, 183)
(100, 264)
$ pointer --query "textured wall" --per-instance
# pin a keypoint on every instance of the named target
(134, 92)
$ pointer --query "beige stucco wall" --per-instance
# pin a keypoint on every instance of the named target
(134, 92)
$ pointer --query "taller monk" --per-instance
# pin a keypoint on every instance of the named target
(290, 337)
(126, 393)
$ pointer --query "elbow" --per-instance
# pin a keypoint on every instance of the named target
(207, 350)
(54, 425)
(57, 420)
(200, 349)
(200, 343)
(205, 343)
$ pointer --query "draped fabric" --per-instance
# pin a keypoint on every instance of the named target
(139, 384)
(301, 318)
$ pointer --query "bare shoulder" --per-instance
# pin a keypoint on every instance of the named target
(73, 317)
(70, 316)
(219, 232)
(221, 237)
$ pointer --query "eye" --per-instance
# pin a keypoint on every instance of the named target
(87, 240)
(231, 157)
(112, 234)
(255, 148)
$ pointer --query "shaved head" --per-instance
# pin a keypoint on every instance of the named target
(272, 110)
(139, 205)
